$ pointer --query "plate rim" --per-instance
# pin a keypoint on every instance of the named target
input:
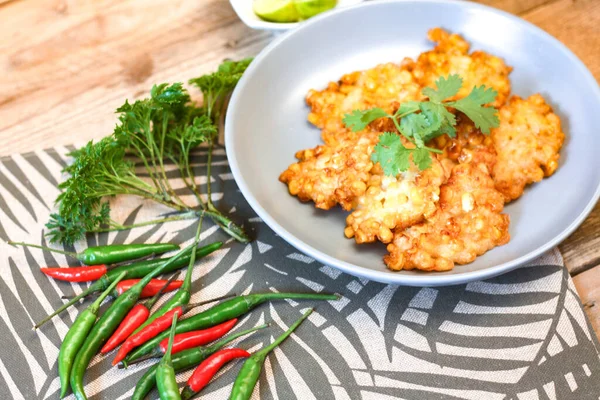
(427, 279)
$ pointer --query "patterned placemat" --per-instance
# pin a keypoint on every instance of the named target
(521, 336)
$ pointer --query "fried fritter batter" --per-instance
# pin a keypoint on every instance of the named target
(381, 86)
(467, 223)
(333, 174)
(527, 141)
(469, 145)
(451, 56)
(394, 202)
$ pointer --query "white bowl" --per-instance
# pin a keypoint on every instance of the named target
(266, 124)
(243, 9)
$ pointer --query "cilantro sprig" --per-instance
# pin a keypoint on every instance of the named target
(421, 121)
(165, 127)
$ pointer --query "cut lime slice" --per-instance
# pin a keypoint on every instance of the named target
(276, 10)
(310, 8)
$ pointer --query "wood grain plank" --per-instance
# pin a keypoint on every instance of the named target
(588, 287)
(62, 83)
(514, 6)
(581, 250)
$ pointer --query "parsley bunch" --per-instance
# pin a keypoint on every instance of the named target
(166, 126)
(421, 121)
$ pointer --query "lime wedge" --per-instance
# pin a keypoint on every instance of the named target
(276, 10)
(310, 8)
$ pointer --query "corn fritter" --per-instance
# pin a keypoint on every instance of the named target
(451, 212)
(528, 141)
(451, 56)
(394, 202)
(467, 223)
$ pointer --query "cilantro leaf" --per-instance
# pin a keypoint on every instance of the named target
(484, 118)
(446, 87)
(422, 158)
(422, 121)
(395, 158)
(433, 114)
(445, 129)
(359, 119)
(440, 119)
(413, 125)
(408, 107)
(391, 154)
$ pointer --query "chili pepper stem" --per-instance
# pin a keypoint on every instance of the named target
(65, 297)
(37, 246)
(150, 303)
(155, 354)
(167, 356)
(68, 304)
(263, 352)
(188, 307)
(157, 271)
(187, 282)
(96, 304)
(127, 262)
(259, 298)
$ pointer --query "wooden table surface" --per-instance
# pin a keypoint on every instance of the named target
(66, 65)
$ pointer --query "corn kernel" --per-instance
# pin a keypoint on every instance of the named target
(359, 188)
(385, 235)
(402, 199)
(468, 202)
(294, 187)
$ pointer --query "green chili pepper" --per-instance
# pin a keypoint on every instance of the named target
(110, 320)
(250, 371)
(165, 374)
(183, 295)
(185, 360)
(133, 271)
(76, 335)
(112, 253)
(223, 312)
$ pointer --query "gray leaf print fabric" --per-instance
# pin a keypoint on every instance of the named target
(521, 336)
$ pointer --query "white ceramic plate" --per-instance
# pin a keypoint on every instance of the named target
(243, 9)
(266, 124)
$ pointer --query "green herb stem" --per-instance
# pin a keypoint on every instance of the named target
(178, 217)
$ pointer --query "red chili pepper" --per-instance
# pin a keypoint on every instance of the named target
(157, 326)
(187, 340)
(209, 368)
(137, 316)
(150, 289)
(76, 274)
(134, 318)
